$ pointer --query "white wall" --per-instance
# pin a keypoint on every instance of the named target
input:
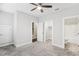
(57, 22)
(6, 18)
(23, 29)
(6, 27)
(58, 31)
(40, 32)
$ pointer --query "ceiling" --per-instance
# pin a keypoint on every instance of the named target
(26, 7)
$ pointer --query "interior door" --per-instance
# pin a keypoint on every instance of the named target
(5, 34)
(40, 32)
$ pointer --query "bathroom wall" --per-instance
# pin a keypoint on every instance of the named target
(71, 30)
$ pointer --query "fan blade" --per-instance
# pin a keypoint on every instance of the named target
(34, 9)
(34, 4)
(47, 6)
(40, 3)
(42, 10)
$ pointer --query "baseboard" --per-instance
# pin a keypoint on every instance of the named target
(58, 46)
(20, 45)
(5, 44)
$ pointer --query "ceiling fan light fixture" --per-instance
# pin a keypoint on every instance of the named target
(39, 7)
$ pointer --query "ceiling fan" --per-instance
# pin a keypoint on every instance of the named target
(40, 6)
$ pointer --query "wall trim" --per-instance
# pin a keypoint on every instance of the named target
(58, 45)
(5, 44)
(23, 44)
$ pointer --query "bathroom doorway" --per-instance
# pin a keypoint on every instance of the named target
(71, 33)
(34, 32)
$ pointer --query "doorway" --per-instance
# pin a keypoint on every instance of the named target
(49, 34)
(71, 33)
(34, 32)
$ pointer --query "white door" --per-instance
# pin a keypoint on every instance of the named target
(5, 34)
(40, 33)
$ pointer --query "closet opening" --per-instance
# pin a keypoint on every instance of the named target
(34, 32)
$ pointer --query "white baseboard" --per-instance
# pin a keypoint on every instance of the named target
(58, 46)
(19, 45)
(5, 44)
